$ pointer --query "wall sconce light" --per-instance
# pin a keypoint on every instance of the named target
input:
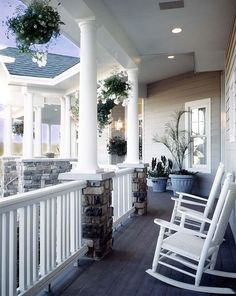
(118, 124)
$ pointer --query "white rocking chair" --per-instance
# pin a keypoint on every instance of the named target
(205, 204)
(194, 250)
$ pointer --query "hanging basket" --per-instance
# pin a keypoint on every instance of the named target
(34, 25)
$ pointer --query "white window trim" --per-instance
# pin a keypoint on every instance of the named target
(232, 115)
(198, 104)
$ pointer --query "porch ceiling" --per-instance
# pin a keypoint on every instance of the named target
(143, 32)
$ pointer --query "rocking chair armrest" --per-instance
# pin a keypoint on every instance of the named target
(186, 201)
(177, 228)
(194, 214)
(191, 196)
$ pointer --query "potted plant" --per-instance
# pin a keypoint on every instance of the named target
(117, 147)
(178, 140)
(33, 25)
(159, 173)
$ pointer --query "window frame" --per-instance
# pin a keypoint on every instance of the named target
(203, 103)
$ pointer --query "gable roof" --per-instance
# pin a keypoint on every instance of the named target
(24, 66)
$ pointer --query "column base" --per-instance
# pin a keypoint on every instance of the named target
(97, 212)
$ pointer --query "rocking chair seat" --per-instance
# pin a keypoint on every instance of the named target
(177, 243)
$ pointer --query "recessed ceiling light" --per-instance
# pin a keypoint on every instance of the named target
(176, 30)
(171, 57)
(56, 109)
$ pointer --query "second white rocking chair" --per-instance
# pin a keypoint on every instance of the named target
(193, 250)
(185, 199)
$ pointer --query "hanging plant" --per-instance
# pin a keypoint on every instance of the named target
(117, 145)
(36, 24)
(111, 92)
(116, 88)
(18, 128)
(103, 113)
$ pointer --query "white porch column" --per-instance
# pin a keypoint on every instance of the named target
(8, 131)
(67, 127)
(49, 138)
(62, 129)
(38, 131)
(28, 126)
(132, 119)
(87, 150)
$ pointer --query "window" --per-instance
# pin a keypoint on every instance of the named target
(198, 125)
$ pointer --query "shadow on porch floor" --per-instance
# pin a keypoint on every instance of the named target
(122, 272)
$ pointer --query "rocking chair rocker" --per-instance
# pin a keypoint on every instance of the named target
(185, 199)
(195, 250)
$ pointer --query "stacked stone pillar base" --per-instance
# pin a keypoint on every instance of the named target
(97, 217)
(139, 185)
(140, 190)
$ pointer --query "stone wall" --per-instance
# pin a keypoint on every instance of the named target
(30, 174)
(34, 174)
(97, 217)
(9, 176)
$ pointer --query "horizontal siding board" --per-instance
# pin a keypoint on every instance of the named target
(230, 146)
(171, 94)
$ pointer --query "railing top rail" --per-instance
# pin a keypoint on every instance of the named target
(122, 172)
(20, 200)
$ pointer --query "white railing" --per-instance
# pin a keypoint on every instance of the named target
(122, 197)
(40, 236)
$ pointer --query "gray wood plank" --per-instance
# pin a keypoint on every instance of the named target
(122, 272)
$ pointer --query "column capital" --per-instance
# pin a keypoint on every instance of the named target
(85, 22)
(25, 91)
(133, 70)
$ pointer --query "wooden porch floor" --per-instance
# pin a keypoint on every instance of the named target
(122, 272)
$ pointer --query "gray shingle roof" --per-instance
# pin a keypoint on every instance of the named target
(23, 66)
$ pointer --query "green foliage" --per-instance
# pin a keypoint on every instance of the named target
(160, 168)
(111, 91)
(104, 113)
(117, 145)
(18, 128)
(177, 140)
(115, 87)
(35, 24)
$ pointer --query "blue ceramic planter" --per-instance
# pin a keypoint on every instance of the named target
(182, 183)
(159, 184)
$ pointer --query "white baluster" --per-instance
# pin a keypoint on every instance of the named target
(80, 218)
(22, 249)
(35, 232)
(53, 233)
(43, 238)
(77, 226)
(67, 225)
(59, 229)
(12, 253)
(63, 227)
(29, 244)
(72, 222)
(48, 236)
(5, 254)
